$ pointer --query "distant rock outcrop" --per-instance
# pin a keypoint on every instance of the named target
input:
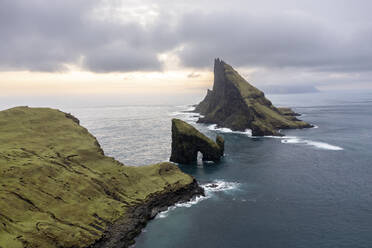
(236, 104)
(187, 141)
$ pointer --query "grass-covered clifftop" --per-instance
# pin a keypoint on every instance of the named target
(187, 141)
(58, 189)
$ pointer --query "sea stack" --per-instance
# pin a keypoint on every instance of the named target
(238, 105)
(187, 141)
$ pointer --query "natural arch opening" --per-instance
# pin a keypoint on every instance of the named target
(199, 158)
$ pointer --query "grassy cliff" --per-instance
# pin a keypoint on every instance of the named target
(236, 104)
(187, 141)
(58, 189)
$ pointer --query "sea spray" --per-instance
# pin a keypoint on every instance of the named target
(209, 188)
(214, 127)
(284, 139)
(317, 144)
(187, 115)
(193, 117)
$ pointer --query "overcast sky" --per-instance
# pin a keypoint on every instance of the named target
(322, 43)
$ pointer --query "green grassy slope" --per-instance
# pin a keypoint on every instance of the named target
(186, 129)
(58, 189)
(256, 99)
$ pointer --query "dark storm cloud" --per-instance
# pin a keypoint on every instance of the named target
(44, 35)
(274, 41)
(41, 35)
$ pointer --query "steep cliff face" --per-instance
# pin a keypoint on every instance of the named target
(58, 189)
(187, 141)
(123, 232)
(236, 104)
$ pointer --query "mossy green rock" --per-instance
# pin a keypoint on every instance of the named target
(58, 189)
(187, 141)
(236, 104)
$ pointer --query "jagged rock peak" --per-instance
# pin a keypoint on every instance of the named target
(236, 104)
(187, 141)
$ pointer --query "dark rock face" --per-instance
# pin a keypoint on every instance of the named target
(187, 142)
(221, 143)
(73, 118)
(236, 104)
(123, 231)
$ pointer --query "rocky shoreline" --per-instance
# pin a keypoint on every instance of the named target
(123, 232)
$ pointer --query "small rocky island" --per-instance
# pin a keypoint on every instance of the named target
(58, 189)
(187, 141)
(236, 104)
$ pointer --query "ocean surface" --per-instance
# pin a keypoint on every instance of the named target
(310, 188)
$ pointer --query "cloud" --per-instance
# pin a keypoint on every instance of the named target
(193, 75)
(43, 35)
(280, 37)
(285, 40)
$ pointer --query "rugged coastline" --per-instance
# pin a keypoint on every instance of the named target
(58, 189)
(123, 232)
(238, 105)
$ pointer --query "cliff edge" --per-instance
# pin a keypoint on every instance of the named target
(58, 189)
(236, 104)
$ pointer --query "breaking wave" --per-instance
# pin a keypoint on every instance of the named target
(186, 107)
(284, 139)
(214, 127)
(188, 204)
(188, 117)
(219, 185)
(193, 117)
(317, 144)
(209, 188)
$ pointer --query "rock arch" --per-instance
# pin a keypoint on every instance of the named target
(187, 141)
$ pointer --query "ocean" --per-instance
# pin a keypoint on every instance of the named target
(310, 188)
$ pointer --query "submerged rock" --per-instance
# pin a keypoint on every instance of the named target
(236, 104)
(187, 141)
(58, 189)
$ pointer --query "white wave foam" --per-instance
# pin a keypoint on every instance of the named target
(187, 116)
(209, 188)
(164, 213)
(292, 141)
(187, 107)
(219, 185)
(194, 201)
(190, 108)
(276, 137)
(177, 113)
(317, 144)
(188, 204)
(284, 139)
(214, 127)
(323, 145)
